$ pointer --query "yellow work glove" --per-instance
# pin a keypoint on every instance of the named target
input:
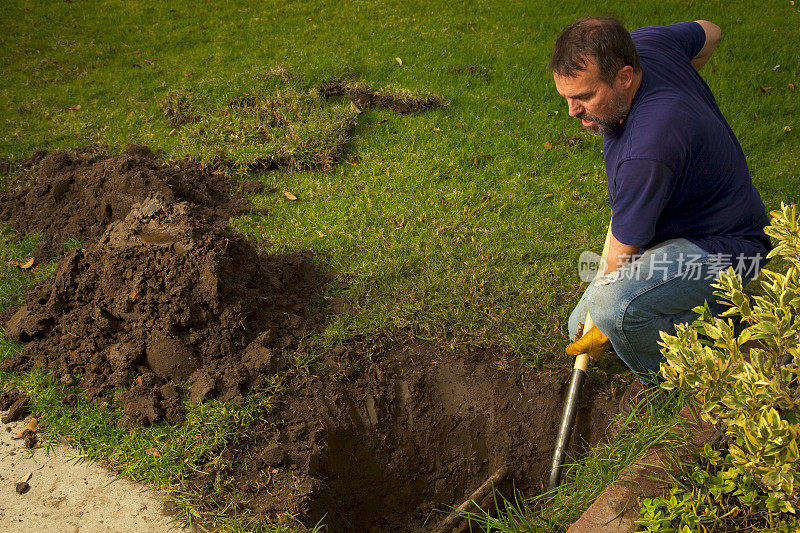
(594, 344)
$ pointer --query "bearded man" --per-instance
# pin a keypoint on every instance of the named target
(683, 204)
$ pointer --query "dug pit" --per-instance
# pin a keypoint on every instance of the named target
(413, 436)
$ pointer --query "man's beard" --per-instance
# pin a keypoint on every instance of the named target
(618, 110)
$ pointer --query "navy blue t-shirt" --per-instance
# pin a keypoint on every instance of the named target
(674, 167)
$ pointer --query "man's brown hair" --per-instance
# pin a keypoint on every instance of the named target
(603, 40)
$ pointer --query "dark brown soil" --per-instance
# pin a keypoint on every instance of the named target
(393, 448)
(77, 193)
(165, 296)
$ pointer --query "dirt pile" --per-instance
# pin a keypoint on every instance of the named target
(165, 296)
(77, 193)
(419, 431)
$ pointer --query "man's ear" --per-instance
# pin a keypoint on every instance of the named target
(625, 76)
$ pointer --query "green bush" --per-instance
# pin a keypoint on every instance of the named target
(756, 395)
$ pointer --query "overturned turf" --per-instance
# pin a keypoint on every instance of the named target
(77, 193)
(399, 100)
(164, 296)
(395, 447)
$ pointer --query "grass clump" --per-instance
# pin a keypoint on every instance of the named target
(286, 129)
(391, 97)
(178, 107)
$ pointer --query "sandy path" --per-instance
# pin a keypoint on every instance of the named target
(66, 495)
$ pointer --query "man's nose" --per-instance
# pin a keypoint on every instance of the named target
(574, 108)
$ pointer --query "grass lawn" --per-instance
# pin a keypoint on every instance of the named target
(461, 224)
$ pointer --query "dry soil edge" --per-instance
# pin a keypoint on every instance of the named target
(70, 495)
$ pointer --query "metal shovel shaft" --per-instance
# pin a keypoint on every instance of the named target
(567, 424)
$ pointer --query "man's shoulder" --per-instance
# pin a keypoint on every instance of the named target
(659, 129)
(683, 39)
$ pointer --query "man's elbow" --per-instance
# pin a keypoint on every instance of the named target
(713, 32)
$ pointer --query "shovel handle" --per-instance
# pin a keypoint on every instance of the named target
(576, 382)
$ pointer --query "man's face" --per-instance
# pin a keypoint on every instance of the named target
(600, 106)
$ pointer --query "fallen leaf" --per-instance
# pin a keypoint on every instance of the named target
(171, 132)
(755, 116)
(74, 107)
(569, 181)
(791, 86)
(187, 74)
(382, 121)
(776, 67)
(29, 428)
(765, 89)
(546, 195)
(355, 108)
(547, 145)
(153, 452)
(27, 264)
(289, 195)
(787, 128)
(486, 156)
(399, 61)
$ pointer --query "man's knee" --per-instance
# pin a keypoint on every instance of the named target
(605, 310)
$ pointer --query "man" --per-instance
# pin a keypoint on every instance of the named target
(683, 204)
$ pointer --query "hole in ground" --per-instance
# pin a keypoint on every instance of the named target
(395, 447)
(415, 437)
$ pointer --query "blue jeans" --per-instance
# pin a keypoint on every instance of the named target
(633, 304)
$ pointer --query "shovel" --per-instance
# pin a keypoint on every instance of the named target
(573, 396)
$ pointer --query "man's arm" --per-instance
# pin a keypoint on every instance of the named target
(618, 254)
(712, 38)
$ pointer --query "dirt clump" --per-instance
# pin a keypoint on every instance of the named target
(167, 296)
(399, 100)
(76, 193)
(396, 447)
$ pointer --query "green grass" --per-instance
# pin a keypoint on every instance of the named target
(455, 223)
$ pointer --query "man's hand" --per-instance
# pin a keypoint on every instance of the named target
(594, 344)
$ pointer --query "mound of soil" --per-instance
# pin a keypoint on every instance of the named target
(396, 447)
(163, 296)
(77, 193)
